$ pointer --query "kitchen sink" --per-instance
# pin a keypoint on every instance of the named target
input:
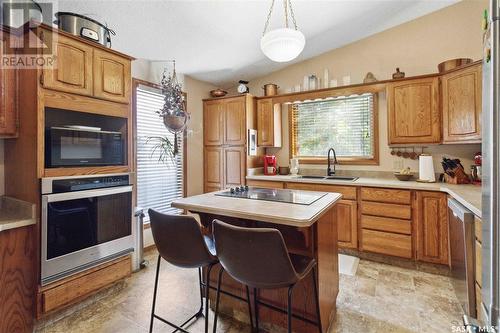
(346, 178)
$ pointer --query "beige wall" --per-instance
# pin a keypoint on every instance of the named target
(416, 47)
(196, 91)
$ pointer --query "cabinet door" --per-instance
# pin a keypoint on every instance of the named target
(8, 99)
(235, 121)
(214, 164)
(432, 227)
(265, 123)
(72, 71)
(213, 123)
(461, 91)
(347, 226)
(112, 78)
(234, 166)
(413, 111)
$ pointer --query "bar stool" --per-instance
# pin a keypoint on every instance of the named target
(258, 257)
(180, 242)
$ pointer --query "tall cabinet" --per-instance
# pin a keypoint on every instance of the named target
(226, 122)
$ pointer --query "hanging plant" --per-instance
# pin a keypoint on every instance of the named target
(164, 147)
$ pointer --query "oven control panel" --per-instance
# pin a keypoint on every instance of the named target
(80, 184)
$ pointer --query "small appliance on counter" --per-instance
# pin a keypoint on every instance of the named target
(270, 166)
(85, 27)
(476, 168)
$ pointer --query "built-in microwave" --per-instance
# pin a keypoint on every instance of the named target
(83, 146)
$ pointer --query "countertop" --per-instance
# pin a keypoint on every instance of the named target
(15, 213)
(259, 210)
(467, 195)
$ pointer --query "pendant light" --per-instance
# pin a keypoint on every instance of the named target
(174, 114)
(283, 44)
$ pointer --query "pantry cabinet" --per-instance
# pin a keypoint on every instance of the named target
(225, 125)
(432, 227)
(8, 98)
(413, 111)
(268, 123)
(462, 105)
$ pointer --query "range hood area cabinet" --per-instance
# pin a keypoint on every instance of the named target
(268, 123)
(436, 109)
(83, 69)
(8, 98)
(226, 122)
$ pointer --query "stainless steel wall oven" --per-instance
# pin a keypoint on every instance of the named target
(85, 221)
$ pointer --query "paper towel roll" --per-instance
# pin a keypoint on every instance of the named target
(426, 168)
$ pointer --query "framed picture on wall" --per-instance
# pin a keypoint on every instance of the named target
(252, 142)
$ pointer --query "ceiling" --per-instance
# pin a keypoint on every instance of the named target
(218, 41)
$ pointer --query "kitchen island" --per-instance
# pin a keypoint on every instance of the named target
(308, 229)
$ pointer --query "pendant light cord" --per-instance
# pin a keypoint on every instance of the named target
(287, 4)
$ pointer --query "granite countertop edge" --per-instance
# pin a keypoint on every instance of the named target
(467, 195)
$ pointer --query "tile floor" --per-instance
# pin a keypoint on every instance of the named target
(379, 298)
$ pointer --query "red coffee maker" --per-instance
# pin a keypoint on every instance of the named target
(270, 167)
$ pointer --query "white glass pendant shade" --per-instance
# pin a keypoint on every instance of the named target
(282, 45)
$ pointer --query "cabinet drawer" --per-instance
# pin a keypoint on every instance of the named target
(265, 183)
(84, 285)
(386, 224)
(478, 229)
(386, 243)
(479, 258)
(386, 210)
(386, 195)
(348, 192)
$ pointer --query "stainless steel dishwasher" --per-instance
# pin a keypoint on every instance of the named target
(461, 227)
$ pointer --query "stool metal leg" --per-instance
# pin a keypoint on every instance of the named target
(201, 291)
(316, 296)
(256, 307)
(207, 290)
(249, 307)
(154, 294)
(221, 270)
(289, 310)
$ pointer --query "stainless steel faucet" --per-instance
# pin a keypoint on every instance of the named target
(329, 171)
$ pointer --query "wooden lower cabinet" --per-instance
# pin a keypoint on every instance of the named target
(75, 288)
(234, 166)
(265, 184)
(17, 280)
(432, 227)
(347, 223)
(386, 243)
(214, 169)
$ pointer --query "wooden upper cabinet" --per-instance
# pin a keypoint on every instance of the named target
(72, 71)
(234, 166)
(112, 78)
(413, 111)
(268, 123)
(213, 123)
(432, 227)
(235, 121)
(214, 166)
(462, 107)
(8, 99)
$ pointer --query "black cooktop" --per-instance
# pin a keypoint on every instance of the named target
(286, 196)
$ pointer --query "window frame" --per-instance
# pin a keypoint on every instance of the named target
(341, 160)
(135, 84)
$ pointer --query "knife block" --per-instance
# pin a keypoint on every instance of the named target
(460, 177)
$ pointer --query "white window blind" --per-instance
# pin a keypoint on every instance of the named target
(344, 123)
(158, 183)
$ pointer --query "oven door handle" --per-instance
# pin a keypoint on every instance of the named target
(86, 194)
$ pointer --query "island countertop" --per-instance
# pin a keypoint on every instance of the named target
(289, 214)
